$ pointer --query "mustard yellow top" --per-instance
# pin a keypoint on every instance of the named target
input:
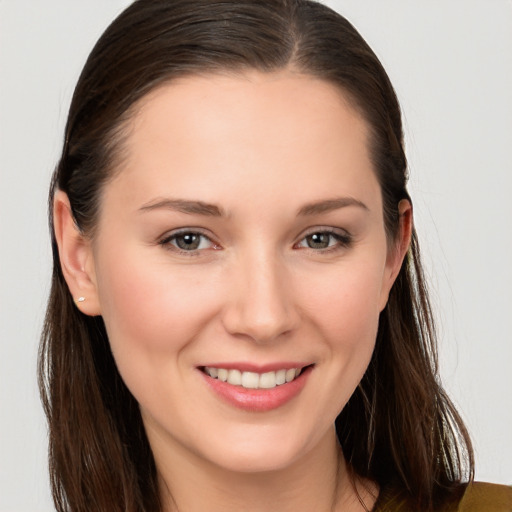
(477, 497)
(482, 497)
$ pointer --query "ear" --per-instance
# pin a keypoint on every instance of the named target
(76, 258)
(398, 251)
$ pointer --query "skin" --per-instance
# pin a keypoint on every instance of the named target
(261, 147)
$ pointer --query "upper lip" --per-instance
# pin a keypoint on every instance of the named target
(257, 368)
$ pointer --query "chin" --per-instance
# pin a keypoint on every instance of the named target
(251, 456)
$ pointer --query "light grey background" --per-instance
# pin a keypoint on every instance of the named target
(451, 63)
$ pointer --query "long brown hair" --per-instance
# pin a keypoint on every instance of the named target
(399, 428)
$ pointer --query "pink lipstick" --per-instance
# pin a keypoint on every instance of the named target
(256, 388)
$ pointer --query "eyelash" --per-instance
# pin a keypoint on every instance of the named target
(342, 241)
(167, 242)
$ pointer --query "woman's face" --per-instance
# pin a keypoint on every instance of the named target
(243, 239)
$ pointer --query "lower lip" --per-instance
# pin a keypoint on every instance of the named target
(258, 400)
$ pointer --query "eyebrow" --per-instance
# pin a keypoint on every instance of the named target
(329, 205)
(212, 210)
(184, 206)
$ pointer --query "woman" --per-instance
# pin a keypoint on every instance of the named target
(238, 318)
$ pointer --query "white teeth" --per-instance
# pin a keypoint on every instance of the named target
(253, 380)
(280, 377)
(250, 380)
(235, 377)
(268, 380)
(290, 374)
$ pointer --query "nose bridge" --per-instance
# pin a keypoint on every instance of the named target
(261, 306)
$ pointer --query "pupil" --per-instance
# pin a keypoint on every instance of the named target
(319, 240)
(188, 241)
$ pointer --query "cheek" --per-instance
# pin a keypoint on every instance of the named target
(150, 309)
(342, 310)
(344, 306)
(345, 301)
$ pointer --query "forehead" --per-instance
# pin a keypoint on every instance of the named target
(284, 131)
(254, 97)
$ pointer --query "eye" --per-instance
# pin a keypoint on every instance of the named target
(188, 241)
(322, 240)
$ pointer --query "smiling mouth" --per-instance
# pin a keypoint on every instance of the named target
(253, 380)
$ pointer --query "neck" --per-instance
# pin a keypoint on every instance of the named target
(317, 481)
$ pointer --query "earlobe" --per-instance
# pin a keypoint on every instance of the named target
(76, 258)
(397, 253)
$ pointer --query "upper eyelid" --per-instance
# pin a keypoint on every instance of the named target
(324, 229)
(183, 231)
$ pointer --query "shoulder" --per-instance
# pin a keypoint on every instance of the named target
(486, 497)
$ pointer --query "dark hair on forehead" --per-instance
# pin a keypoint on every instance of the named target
(398, 429)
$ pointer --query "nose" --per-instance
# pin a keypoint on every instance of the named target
(260, 305)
